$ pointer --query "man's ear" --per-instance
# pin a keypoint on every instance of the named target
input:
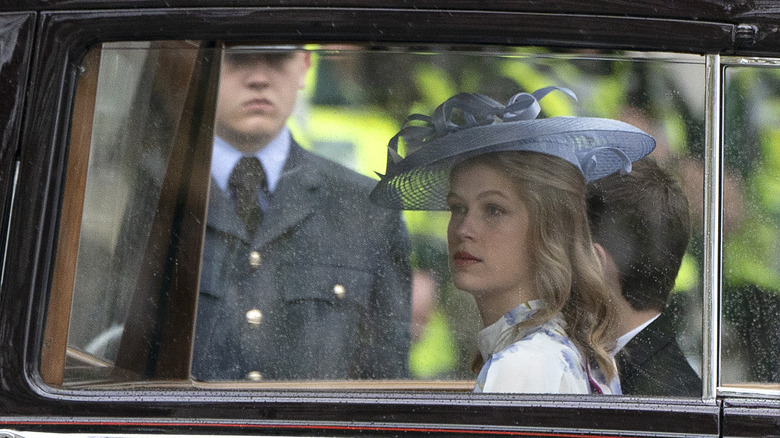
(604, 257)
(608, 267)
(306, 66)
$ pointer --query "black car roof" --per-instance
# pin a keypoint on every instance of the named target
(746, 28)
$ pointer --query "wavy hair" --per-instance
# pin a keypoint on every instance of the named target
(567, 271)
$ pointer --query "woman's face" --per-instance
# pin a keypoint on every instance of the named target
(488, 236)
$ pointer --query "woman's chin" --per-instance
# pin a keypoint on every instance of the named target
(467, 283)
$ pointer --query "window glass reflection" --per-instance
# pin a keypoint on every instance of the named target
(359, 293)
(750, 345)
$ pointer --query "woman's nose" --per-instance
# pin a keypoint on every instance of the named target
(463, 226)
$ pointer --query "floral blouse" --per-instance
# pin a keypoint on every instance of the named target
(540, 359)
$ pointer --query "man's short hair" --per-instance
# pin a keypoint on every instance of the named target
(641, 220)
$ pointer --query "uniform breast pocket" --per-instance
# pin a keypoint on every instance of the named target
(333, 286)
(326, 304)
(326, 310)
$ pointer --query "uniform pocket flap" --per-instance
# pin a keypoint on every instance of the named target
(329, 283)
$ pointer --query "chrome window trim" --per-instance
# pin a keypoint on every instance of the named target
(747, 392)
(10, 217)
(726, 61)
(712, 229)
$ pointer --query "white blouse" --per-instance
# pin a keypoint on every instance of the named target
(539, 359)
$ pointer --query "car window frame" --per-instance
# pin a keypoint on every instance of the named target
(69, 30)
(54, 17)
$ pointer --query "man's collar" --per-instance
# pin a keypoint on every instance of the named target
(272, 156)
(623, 340)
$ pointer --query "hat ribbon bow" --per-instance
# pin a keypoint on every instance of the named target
(474, 109)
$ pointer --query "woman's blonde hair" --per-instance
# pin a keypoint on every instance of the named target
(568, 274)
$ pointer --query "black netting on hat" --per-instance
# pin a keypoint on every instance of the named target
(423, 188)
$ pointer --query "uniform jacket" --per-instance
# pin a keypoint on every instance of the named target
(652, 363)
(322, 291)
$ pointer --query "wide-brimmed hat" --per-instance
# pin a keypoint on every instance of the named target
(467, 125)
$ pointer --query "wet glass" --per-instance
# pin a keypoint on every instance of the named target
(151, 95)
(750, 318)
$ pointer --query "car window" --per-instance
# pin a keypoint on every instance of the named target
(749, 318)
(143, 281)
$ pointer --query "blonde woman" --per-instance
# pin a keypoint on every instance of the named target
(518, 235)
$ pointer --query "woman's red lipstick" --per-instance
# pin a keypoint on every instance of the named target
(462, 259)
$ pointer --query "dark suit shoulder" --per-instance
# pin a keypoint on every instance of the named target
(652, 363)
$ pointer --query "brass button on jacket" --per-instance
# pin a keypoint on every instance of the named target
(255, 259)
(339, 290)
(254, 316)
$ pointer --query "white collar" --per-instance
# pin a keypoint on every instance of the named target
(623, 340)
(506, 330)
(272, 156)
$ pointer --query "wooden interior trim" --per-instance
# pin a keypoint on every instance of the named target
(58, 315)
(159, 331)
(86, 359)
(773, 386)
(465, 386)
(344, 385)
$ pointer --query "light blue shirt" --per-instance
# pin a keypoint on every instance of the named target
(273, 156)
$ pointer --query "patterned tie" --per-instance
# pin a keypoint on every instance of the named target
(246, 183)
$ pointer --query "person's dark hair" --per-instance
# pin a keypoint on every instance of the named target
(641, 220)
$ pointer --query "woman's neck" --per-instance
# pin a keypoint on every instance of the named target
(493, 306)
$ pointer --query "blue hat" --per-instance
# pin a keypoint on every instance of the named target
(420, 181)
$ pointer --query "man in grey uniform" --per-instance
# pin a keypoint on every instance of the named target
(302, 278)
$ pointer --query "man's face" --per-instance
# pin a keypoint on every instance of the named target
(257, 93)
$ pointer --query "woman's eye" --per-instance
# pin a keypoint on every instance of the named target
(493, 210)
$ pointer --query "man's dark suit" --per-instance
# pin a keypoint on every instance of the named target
(652, 363)
(326, 282)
